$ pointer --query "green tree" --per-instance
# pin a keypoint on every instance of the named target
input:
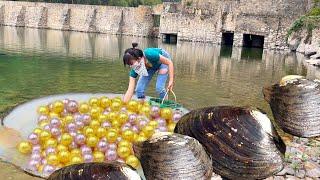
(152, 2)
(118, 3)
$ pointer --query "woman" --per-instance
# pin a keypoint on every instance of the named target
(146, 63)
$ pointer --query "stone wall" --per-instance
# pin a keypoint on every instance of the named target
(87, 18)
(206, 20)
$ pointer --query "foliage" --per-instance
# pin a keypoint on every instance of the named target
(125, 3)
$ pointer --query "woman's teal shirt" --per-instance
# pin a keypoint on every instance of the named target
(153, 59)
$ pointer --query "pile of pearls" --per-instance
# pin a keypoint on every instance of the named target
(99, 130)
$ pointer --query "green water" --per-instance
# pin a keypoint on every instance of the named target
(35, 63)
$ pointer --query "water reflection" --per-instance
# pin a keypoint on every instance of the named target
(205, 74)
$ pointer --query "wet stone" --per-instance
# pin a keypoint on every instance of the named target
(288, 177)
(312, 169)
(282, 172)
(278, 178)
(300, 173)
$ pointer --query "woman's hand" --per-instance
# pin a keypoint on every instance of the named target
(170, 85)
(130, 91)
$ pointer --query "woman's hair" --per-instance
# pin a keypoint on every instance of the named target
(133, 53)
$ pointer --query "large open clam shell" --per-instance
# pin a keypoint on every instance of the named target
(295, 104)
(173, 156)
(95, 171)
(242, 142)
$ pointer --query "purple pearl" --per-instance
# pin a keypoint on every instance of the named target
(44, 161)
(50, 150)
(88, 158)
(125, 128)
(135, 129)
(80, 139)
(85, 150)
(33, 165)
(71, 127)
(33, 138)
(163, 129)
(112, 147)
(48, 169)
(102, 146)
(55, 131)
(73, 145)
(55, 122)
(105, 112)
(47, 127)
(72, 106)
(65, 101)
(111, 155)
(78, 117)
(132, 118)
(73, 133)
(36, 157)
(142, 123)
(176, 117)
(155, 111)
(86, 119)
(42, 118)
(106, 124)
(161, 122)
(36, 149)
(79, 124)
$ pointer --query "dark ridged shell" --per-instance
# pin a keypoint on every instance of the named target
(95, 171)
(239, 144)
(173, 156)
(295, 106)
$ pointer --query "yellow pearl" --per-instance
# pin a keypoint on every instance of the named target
(171, 127)
(101, 132)
(95, 112)
(66, 139)
(112, 136)
(88, 131)
(43, 124)
(123, 117)
(58, 107)
(94, 124)
(132, 106)
(40, 168)
(123, 152)
(68, 119)
(51, 143)
(37, 131)
(102, 118)
(128, 135)
(117, 99)
(148, 130)
(53, 159)
(64, 156)
(75, 152)
(116, 123)
(84, 108)
(140, 139)
(133, 161)
(44, 110)
(145, 110)
(92, 141)
(44, 135)
(24, 147)
(166, 113)
(116, 106)
(124, 143)
(105, 102)
(112, 116)
(54, 115)
(76, 160)
(154, 124)
(98, 156)
(94, 102)
(61, 147)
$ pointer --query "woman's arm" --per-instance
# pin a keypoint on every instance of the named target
(130, 91)
(168, 62)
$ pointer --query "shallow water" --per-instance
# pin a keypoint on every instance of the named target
(36, 63)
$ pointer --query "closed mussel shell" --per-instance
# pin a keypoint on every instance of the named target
(95, 171)
(295, 103)
(173, 156)
(242, 141)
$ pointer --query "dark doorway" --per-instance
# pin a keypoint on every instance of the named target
(227, 39)
(170, 38)
(250, 40)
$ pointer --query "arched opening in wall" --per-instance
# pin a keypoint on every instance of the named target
(170, 38)
(227, 38)
(250, 40)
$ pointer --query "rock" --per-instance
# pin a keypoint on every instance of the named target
(288, 177)
(294, 42)
(215, 177)
(315, 56)
(315, 62)
(278, 178)
(269, 178)
(301, 48)
(312, 169)
(310, 49)
(282, 172)
(289, 170)
(300, 173)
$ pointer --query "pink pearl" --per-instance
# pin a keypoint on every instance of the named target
(50, 150)
(79, 124)
(85, 150)
(73, 145)
(142, 123)
(65, 101)
(73, 133)
(72, 106)
(80, 139)
(124, 128)
(55, 122)
(102, 146)
(135, 129)
(33, 164)
(112, 146)
(155, 111)
(42, 118)
(161, 122)
(77, 116)
(163, 129)
(132, 118)
(176, 116)
(71, 127)
(48, 169)
(88, 158)
(86, 119)
(33, 138)
(47, 127)
(55, 131)
(36, 157)
(111, 155)
(43, 161)
(36, 149)
(105, 112)
(106, 124)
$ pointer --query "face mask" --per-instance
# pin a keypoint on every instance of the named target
(140, 68)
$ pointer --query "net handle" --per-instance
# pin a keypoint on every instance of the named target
(167, 95)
